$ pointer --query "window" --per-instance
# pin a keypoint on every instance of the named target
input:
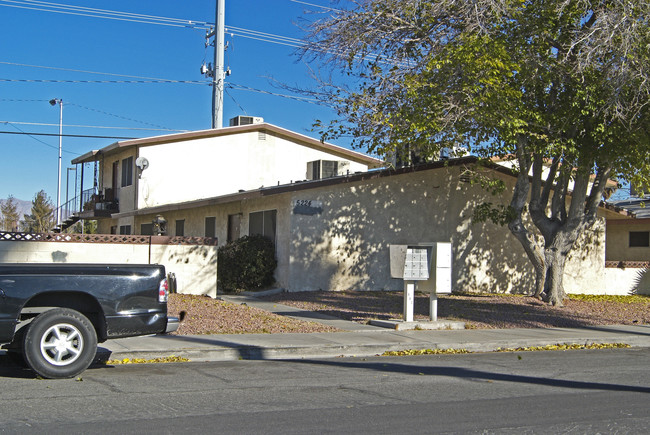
(125, 230)
(234, 224)
(127, 171)
(639, 239)
(146, 229)
(319, 169)
(210, 226)
(263, 222)
(180, 227)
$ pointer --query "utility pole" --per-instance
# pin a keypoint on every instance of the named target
(217, 72)
(217, 83)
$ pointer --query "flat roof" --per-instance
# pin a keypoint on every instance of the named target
(637, 207)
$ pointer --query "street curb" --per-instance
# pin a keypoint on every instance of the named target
(248, 352)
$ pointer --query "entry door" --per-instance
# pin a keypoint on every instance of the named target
(114, 184)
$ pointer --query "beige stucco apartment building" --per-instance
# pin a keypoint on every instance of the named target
(332, 212)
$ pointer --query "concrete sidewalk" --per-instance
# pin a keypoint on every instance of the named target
(320, 345)
(357, 340)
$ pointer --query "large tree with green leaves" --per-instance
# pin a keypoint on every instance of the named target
(561, 87)
(41, 219)
(9, 214)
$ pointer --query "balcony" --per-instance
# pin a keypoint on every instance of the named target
(96, 205)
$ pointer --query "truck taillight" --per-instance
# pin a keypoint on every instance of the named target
(163, 291)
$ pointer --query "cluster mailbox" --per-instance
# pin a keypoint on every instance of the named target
(411, 263)
(425, 265)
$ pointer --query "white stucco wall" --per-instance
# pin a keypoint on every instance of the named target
(209, 167)
(584, 272)
(627, 281)
(195, 266)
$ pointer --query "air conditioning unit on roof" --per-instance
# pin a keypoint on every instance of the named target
(246, 120)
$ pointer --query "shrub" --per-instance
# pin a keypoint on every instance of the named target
(247, 263)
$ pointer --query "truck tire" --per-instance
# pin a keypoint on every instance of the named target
(60, 343)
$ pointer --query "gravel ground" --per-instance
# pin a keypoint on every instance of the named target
(479, 311)
(204, 315)
(209, 316)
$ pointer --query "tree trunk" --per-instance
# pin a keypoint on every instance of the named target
(554, 290)
(556, 253)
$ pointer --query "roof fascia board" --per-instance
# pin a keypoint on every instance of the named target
(302, 185)
(307, 185)
(226, 131)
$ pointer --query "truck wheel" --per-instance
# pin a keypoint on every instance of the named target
(60, 343)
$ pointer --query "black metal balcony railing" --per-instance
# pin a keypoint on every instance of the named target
(90, 201)
(74, 205)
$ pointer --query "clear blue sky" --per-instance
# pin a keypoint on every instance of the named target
(64, 42)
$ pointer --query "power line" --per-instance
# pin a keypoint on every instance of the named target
(35, 138)
(264, 36)
(65, 135)
(315, 5)
(103, 13)
(88, 72)
(121, 117)
(22, 100)
(147, 19)
(89, 126)
(175, 22)
(192, 82)
(291, 97)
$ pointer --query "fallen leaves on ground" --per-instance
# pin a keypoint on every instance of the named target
(165, 359)
(424, 352)
(565, 346)
(557, 347)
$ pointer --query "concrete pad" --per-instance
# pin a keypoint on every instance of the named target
(299, 314)
(400, 325)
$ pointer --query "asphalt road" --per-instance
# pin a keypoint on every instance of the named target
(603, 391)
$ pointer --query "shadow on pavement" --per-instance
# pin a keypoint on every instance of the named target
(463, 373)
(646, 331)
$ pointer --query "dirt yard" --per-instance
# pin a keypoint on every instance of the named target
(210, 316)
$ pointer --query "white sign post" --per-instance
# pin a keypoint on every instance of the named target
(442, 272)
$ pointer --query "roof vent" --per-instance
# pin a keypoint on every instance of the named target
(246, 120)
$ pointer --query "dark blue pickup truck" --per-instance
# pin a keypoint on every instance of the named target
(55, 314)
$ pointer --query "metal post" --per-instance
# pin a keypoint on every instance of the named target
(433, 306)
(58, 188)
(81, 187)
(409, 299)
(67, 190)
(218, 75)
